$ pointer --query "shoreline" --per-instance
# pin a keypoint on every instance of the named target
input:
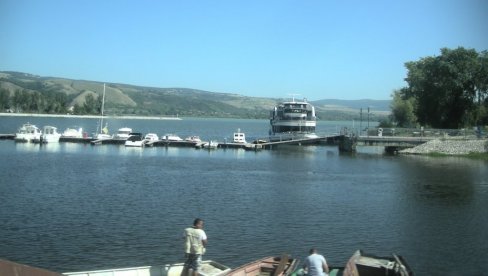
(450, 147)
(87, 116)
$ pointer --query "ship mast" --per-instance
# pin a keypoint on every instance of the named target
(103, 106)
(293, 96)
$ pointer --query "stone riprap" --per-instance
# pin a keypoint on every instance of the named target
(450, 147)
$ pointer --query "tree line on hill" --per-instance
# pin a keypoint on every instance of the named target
(445, 91)
(26, 93)
(46, 102)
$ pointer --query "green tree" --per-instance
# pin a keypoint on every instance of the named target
(446, 87)
(90, 105)
(78, 110)
(481, 87)
(4, 99)
(402, 109)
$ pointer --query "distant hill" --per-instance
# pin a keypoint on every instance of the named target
(374, 105)
(125, 99)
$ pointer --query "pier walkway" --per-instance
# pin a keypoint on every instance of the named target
(345, 142)
(393, 141)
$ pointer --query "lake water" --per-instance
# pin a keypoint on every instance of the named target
(69, 207)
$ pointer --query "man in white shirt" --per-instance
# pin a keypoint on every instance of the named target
(195, 242)
(315, 264)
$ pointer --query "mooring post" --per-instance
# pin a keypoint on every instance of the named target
(347, 143)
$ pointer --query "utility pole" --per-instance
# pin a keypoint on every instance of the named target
(368, 122)
(360, 121)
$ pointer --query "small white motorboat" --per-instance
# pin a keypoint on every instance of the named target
(210, 145)
(72, 133)
(135, 140)
(151, 137)
(49, 134)
(171, 137)
(27, 133)
(123, 133)
(195, 139)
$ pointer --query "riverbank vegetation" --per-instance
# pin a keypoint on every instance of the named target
(445, 91)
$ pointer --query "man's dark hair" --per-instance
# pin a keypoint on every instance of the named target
(196, 221)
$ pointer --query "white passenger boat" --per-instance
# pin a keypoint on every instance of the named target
(49, 134)
(239, 137)
(123, 133)
(171, 137)
(209, 268)
(135, 140)
(72, 133)
(27, 133)
(293, 120)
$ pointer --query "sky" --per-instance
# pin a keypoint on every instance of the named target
(349, 49)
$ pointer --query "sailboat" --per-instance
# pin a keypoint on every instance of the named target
(103, 133)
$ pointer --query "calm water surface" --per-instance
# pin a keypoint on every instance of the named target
(71, 207)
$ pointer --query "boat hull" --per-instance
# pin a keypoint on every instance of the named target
(273, 266)
(28, 133)
(209, 268)
(361, 264)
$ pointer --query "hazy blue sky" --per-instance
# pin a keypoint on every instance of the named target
(318, 49)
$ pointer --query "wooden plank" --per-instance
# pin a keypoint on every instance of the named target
(281, 266)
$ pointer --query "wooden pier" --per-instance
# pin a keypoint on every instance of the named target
(7, 136)
(347, 143)
(391, 143)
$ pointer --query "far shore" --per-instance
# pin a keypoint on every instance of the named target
(87, 116)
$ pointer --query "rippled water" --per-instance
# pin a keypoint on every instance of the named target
(71, 207)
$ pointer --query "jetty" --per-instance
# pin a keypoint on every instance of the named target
(390, 143)
(345, 140)
(7, 136)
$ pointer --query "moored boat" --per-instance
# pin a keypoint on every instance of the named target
(193, 138)
(151, 137)
(28, 133)
(72, 133)
(293, 120)
(239, 137)
(49, 135)
(208, 268)
(123, 133)
(135, 140)
(103, 133)
(210, 145)
(272, 266)
(361, 264)
(171, 137)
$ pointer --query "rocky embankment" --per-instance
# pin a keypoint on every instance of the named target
(450, 147)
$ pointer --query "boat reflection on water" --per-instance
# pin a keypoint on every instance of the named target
(50, 147)
(28, 147)
(33, 147)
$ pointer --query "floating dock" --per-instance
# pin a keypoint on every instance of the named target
(346, 143)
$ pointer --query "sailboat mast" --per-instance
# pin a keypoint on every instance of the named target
(103, 106)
